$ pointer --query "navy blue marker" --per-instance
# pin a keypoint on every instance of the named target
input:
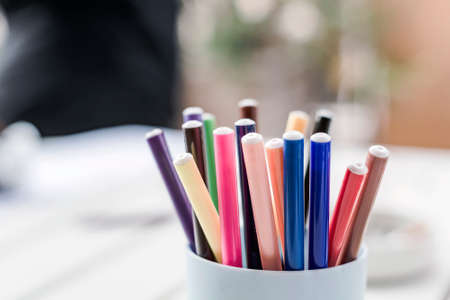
(319, 200)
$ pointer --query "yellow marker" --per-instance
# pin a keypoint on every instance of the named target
(200, 200)
(298, 121)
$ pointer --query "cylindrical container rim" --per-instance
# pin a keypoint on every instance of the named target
(362, 256)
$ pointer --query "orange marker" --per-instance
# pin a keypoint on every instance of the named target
(298, 121)
(258, 181)
(274, 154)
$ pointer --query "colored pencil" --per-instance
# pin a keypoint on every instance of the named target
(274, 155)
(209, 124)
(258, 180)
(342, 214)
(192, 113)
(249, 109)
(201, 201)
(225, 156)
(298, 121)
(320, 200)
(193, 140)
(376, 163)
(251, 248)
(322, 123)
(293, 201)
(158, 146)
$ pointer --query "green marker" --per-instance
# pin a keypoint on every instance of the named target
(209, 124)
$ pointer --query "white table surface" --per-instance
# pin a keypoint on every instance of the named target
(92, 220)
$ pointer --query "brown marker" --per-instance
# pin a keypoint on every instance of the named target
(193, 138)
(376, 163)
(249, 109)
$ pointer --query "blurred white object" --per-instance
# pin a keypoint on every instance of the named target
(355, 122)
(400, 247)
(254, 10)
(299, 21)
(19, 144)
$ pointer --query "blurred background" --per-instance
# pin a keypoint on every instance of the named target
(377, 64)
(83, 210)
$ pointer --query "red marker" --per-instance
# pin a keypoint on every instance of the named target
(343, 214)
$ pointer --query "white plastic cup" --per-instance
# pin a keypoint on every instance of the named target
(212, 281)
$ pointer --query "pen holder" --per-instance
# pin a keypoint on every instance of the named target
(212, 281)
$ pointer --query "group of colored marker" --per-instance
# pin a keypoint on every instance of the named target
(280, 203)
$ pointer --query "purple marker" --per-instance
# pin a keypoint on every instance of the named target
(158, 145)
(193, 113)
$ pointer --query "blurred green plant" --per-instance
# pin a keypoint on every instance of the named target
(235, 40)
(315, 57)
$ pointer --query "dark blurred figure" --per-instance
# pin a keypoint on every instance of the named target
(74, 65)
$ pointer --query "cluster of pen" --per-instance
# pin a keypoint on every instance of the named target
(280, 202)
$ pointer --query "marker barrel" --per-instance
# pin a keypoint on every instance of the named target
(258, 180)
(209, 124)
(158, 146)
(376, 161)
(322, 121)
(192, 113)
(341, 219)
(274, 154)
(293, 201)
(297, 121)
(193, 140)
(322, 124)
(201, 202)
(320, 200)
(248, 109)
(225, 154)
(251, 247)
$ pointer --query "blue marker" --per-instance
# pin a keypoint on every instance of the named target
(294, 215)
(319, 200)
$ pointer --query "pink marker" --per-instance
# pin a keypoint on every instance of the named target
(258, 181)
(225, 156)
